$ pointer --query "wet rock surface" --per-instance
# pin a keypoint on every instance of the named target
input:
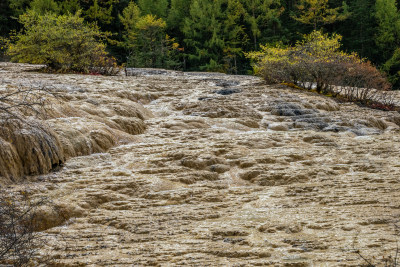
(71, 120)
(265, 176)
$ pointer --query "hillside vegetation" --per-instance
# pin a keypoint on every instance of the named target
(210, 35)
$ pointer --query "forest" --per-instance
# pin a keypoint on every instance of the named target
(201, 35)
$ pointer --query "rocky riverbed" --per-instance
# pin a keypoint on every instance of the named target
(208, 169)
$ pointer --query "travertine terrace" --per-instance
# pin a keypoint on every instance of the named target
(214, 170)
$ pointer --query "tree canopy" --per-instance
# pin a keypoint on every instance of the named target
(214, 35)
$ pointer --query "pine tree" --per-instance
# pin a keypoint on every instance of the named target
(234, 35)
(19, 6)
(317, 12)
(388, 38)
(100, 11)
(392, 69)
(358, 30)
(158, 8)
(259, 14)
(41, 7)
(70, 6)
(203, 35)
(130, 16)
(146, 41)
(177, 13)
(388, 32)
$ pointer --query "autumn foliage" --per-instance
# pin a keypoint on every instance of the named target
(317, 63)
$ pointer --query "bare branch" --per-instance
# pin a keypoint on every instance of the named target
(18, 239)
(23, 99)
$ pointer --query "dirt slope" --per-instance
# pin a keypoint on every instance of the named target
(229, 172)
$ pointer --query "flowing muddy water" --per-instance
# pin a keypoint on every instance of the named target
(229, 172)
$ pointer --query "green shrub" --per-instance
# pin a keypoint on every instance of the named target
(63, 43)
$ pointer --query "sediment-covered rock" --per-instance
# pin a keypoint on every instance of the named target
(72, 121)
(28, 147)
(225, 171)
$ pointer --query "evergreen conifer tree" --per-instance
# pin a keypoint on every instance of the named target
(259, 14)
(388, 32)
(317, 12)
(203, 35)
(41, 7)
(158, 8)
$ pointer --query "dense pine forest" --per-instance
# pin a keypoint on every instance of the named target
(206, 35)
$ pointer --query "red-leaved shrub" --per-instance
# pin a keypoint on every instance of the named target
(317, 63)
